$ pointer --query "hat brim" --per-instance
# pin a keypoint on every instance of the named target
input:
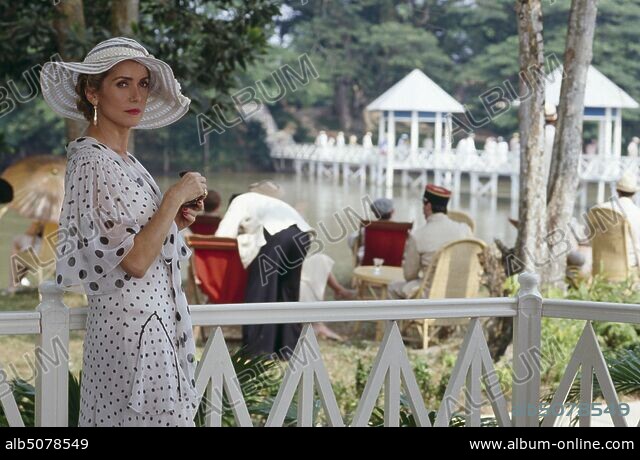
(165, 104)
(626, 189)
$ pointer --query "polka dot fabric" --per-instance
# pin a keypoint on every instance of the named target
(139, 350)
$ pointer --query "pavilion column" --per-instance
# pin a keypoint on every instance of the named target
(391, 135)
(617, 134)
(438, 134)
(381, 135)
(414, 136)
(608, 125)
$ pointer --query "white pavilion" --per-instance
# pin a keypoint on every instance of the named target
(416, 98)
(603, 102)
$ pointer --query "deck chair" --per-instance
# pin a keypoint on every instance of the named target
(205, 225)
(384, 240)
(216, 271)
(611, 235)
(460, 216)
(455, 273)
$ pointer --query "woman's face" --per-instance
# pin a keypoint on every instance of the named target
(122, 98)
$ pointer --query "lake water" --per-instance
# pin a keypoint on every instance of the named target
(321, 201)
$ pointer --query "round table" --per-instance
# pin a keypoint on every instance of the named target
(367, 277)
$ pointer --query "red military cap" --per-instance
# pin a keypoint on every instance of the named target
(436, 195)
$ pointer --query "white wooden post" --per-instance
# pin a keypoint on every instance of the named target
(608, 125)
(414, 137)
(52, 358)
(391, 143)
(600, 198)
(526, 352)
(438, 134)
(617, 134)
(381, 134)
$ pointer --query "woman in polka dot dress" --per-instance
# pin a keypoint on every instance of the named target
(120, 241)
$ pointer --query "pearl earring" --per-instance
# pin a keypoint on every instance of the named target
(95, 115)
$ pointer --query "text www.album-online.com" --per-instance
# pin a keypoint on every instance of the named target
(572, 444)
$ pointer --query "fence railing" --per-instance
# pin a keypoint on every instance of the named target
(391, 372)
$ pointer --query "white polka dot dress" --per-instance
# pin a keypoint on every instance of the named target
(138, 363)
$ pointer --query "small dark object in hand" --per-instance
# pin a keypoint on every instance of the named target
(193, 203)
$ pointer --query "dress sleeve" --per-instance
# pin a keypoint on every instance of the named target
(96, 227)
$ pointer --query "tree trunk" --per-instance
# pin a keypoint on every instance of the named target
(342, 105)
(124, 14)
(530, 248)
(71, 21)
(567, 145)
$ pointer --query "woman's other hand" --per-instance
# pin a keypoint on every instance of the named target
(187, 216)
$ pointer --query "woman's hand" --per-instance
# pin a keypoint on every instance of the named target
(190, 186)
(187, 216)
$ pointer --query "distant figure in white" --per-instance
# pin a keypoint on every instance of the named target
(626, 188)
(332, 141)
(461, 146)
(490, 147)
(514, 144)
(322, 139)
(427, 144)
(340, 139)
(632, 148)
(502, 150)
(470, 145)
(403, 141)
(367, 143)
(353, 140)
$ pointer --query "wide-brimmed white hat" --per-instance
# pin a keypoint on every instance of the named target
(165, 103)
(627, 183)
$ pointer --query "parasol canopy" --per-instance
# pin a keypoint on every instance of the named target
(38, 186)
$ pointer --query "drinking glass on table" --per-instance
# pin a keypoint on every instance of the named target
(377, 263)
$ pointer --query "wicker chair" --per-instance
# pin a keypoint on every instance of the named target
(463, 217)
(455, 273)
(611, 235)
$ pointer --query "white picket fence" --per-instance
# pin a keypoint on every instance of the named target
(306, 373)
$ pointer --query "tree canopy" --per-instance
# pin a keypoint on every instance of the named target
(359, 49)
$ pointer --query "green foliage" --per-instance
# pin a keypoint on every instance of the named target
(219, 46)
(616, 336)
(25, 395)
(624, 368)
(601, 290)
(207, 43)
